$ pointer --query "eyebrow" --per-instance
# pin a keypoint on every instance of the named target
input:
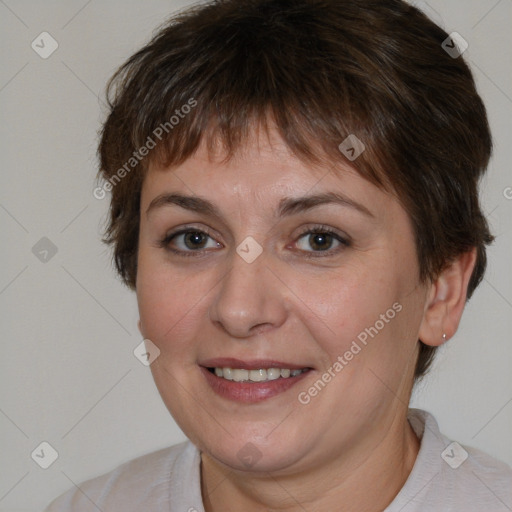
(287, 206)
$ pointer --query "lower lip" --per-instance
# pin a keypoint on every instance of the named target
(250, 392)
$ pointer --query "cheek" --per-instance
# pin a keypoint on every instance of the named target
(363, 312)
(348, 299)
(169, 303)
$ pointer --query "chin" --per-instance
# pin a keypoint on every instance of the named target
(256, 453)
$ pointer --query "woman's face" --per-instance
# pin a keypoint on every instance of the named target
(344, 303)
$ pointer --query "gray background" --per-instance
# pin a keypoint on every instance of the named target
(69, 376)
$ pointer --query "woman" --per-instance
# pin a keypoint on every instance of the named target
(295, 204)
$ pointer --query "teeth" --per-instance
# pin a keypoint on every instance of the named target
(273, 373)
(261, 375)
(240, 375)
(257, 375)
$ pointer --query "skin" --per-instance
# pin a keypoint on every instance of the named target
(353, 436)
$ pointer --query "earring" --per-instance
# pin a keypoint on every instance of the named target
(444, 336)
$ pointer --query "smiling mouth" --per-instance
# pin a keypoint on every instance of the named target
(251, 381)
(258, 375)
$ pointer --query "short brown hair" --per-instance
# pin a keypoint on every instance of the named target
(319, 70)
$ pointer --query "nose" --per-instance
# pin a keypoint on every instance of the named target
(250, 299)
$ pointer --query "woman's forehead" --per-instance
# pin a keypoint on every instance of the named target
(263, 158)
(268, 169)
(265, 184)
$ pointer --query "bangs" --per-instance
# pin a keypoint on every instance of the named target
(246, 76)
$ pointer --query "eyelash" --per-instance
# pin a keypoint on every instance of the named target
(320, 229)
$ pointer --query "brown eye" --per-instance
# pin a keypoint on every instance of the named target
(195, 239)
(321, 240)
(188, 242)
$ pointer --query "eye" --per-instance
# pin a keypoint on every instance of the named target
(322, 239)
(193, 242)
(188, 241)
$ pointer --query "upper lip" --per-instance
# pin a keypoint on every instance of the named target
(253, 364)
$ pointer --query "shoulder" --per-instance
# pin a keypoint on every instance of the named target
(136, 484)
(452, 477)
(484, 480)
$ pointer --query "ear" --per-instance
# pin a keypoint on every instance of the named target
(446, 299)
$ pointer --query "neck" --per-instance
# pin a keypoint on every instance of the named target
(341, 483)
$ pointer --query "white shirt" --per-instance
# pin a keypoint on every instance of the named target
(442, 480)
